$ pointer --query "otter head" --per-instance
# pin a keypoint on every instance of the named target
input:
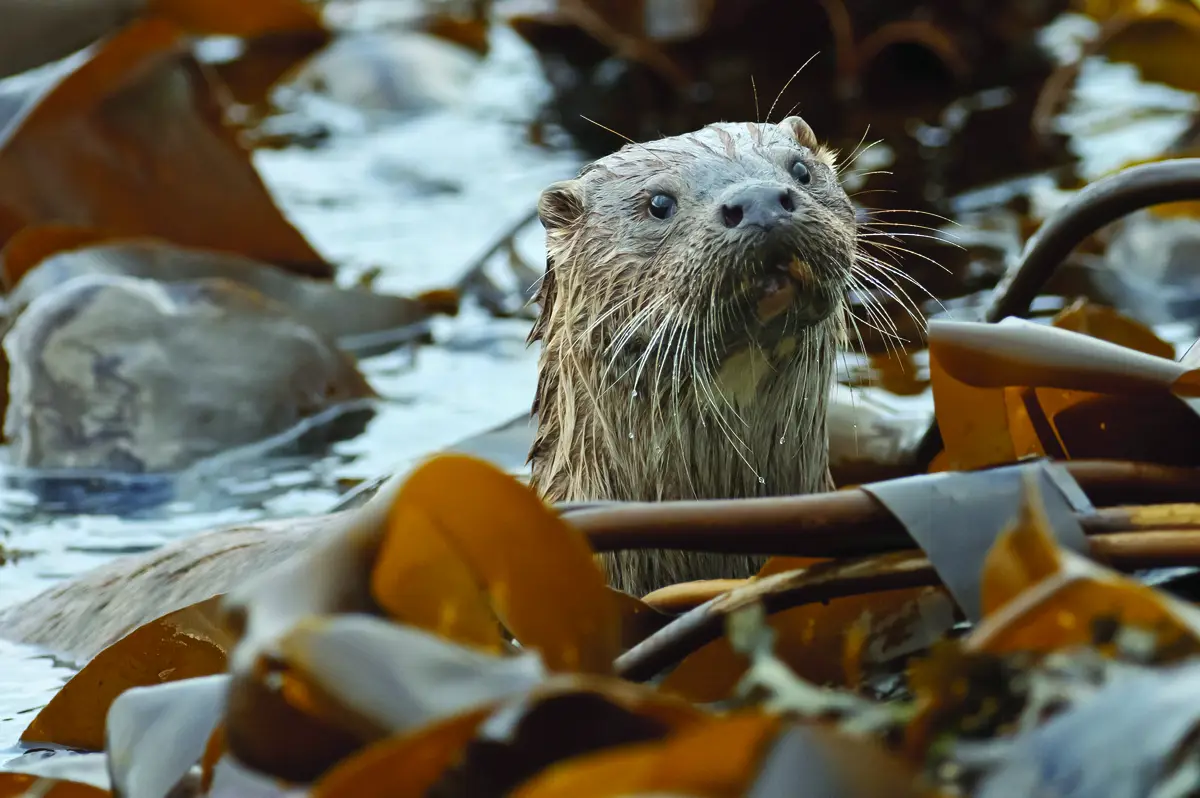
(740, 229)
(690, 312)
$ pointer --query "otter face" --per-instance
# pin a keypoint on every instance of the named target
(731, 235)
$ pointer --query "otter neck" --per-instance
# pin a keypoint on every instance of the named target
(757, 428)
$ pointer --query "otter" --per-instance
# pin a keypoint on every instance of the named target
(691, 310)
(689, 319)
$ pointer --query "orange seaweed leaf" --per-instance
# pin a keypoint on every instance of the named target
(132, 141)
(406, 765)
(17, 785)
(180, 645)
(537, 571)
(1039, 597)
(716, 758)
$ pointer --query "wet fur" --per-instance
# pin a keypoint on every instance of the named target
(722, 408)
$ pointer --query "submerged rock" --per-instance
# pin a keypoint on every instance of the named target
(125, 374)
(344, 314)
(79, 617)
(408, 72)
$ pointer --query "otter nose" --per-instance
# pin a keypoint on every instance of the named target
(757, 206)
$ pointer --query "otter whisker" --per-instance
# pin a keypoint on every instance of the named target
(710, 350)
(858, 146)
(735, 440)
(858, 273)
(887, 334)
(859, 152)
(656, 346)
(900, 273)
(632, 324)
(938, 216)
(789, 83)
(900, 299)
(606, 386)
(703, 368)
(862, 138)
(754, 88)
(676, 351)
(655, 337)
(802, 379)
(853, 391)
(897, 248)
(873, 191)
(866, 264)
(893, 252)
(729, 405)
(862, 345)
(893, 344)
(681, 442)
(873, 221)
(792, 400)
(605, 316)
(670, 348)
(914, 312)
(934, 232)
(715, 320)
(627, 332)
(880, 318)
(639, 145)
(896, 235)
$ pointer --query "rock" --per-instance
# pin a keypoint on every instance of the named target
(125, 374)
(341, 314)
(80, 617)
(407, 72)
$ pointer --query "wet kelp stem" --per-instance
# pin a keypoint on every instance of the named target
(848, 523)
(696, 628)
(1095, 206)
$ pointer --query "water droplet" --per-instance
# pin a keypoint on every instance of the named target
(631, 436)
(703, 423)
(635, 391)
(762, 481)
(781, 440)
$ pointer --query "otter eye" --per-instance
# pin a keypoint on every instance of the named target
(801, 174)
(662, 206)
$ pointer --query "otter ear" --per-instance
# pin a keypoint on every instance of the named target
(797, 128)
(560, 204)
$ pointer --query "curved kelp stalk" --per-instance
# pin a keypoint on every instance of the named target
(1093, 207)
